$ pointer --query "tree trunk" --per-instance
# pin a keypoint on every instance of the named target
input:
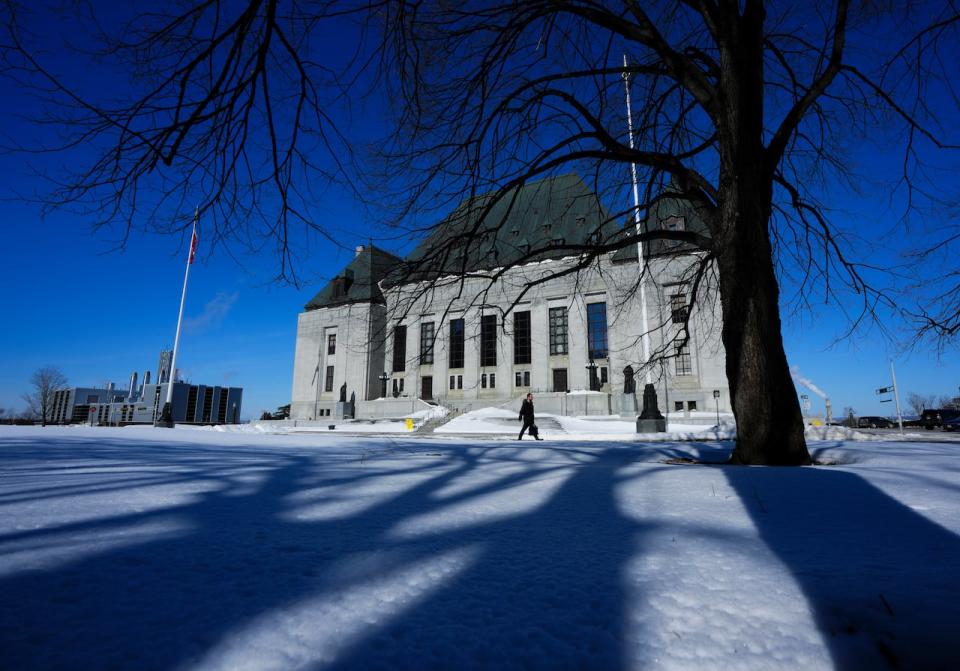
(765, 405)
(769, 423)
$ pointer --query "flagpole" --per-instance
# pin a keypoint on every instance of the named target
(166, 418)
(641, 260)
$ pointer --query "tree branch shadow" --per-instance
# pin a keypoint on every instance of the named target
(881, 580)
(544, 590)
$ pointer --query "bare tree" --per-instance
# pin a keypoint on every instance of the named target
(850, 417)
(744, 108)
(920, 402)
(946, 402)
(45, 381)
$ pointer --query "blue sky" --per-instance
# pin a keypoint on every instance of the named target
(99, 314)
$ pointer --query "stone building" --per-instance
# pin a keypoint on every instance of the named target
(393, 335)
(142, 404)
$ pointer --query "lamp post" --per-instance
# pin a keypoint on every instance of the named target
(383, 377)
(716, 400)
(592, 372)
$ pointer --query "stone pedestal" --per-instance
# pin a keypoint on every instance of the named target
(650, 419)
(628, 405)
(343, 410)
(651, 425)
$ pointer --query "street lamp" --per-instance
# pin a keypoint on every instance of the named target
(592, 371)
(383, 377)
(716, 400)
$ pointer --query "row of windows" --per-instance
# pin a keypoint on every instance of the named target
(522, 346)
(600, 376)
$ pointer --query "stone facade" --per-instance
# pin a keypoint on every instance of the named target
(513, 337)
(689, 383)
(355, 359)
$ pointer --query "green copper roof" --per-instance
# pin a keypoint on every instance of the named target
(357, 283)
(544, 215)
(539, 215)
(660, 214)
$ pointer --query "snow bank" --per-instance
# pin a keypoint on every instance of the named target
(840, 433)
(504, 422)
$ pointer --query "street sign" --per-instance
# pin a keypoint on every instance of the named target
(884, 390)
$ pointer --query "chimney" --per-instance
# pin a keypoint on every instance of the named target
(132, 391)
(360, 249)
(146, 377)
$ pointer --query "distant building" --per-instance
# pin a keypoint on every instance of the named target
(191, 404)
(71, 406)
(385, 341)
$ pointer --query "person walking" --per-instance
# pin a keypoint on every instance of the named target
(527, 417)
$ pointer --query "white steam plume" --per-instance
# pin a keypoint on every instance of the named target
(800, 379)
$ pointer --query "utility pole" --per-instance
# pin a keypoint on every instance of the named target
(896, 395)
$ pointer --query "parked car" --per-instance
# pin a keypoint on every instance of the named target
(951, 424)
(875, 423)
(931, 419)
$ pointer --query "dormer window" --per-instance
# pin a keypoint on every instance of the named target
(581, 220)
(547, 227)
(673, 224)
(557, 242)
(515, 233)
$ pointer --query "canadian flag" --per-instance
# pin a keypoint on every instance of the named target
(193, 247)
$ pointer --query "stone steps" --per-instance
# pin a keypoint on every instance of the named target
(432, 424)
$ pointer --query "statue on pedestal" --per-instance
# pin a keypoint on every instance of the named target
(650, 419)
(629, 384)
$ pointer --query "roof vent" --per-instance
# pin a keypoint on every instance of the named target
(342, 284)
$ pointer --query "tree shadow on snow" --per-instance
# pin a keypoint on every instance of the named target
(542, 588)
(882, 580)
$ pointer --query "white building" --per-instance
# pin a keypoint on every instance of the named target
(393, 336)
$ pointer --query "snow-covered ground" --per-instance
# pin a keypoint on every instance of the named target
(504, 423)
(500, 421)
(143, 548)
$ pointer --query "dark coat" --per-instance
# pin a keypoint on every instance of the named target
(526, 412)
